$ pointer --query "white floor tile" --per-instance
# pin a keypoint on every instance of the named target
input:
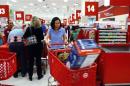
(24, 81)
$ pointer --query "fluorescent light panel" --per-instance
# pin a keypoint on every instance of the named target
(65, 0)
(13, 0)
(106, 2)
(54, 4)
(39, 0)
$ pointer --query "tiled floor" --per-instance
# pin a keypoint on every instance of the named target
(24, 81)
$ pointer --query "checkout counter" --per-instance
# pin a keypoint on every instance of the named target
(114, 65)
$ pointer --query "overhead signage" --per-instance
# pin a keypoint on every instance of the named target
(4, 11)
(19, 15)
(91, 8)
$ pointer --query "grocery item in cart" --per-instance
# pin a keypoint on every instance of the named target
(86, 44)
(68, 77)
(77, 61)
(63, 56)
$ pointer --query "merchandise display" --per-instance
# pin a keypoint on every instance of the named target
(112, 36)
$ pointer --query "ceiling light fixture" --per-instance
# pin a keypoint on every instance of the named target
(106, 2)
(54, 4)
(13, 0)
(65, 0)
(40, 0)
(45, 6)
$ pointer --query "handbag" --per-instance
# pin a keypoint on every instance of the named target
(31, 40)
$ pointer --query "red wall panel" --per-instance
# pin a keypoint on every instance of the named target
(114, 11)
(120, 2)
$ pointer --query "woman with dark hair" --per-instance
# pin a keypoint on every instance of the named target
(35, 50)
(56, 34)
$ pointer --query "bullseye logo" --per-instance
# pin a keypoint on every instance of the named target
(85, 75)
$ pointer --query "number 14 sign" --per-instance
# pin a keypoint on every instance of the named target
(91, 8)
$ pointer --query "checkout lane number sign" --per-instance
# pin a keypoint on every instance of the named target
(4, 11)
(91, 8)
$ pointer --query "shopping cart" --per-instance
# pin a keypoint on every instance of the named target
(68, 77)
(7, 65)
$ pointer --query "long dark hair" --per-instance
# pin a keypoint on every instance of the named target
(53, 22)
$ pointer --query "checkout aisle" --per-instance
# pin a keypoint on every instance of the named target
(108, 26)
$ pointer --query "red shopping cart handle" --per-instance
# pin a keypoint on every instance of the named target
(58, 43)
(51, 44)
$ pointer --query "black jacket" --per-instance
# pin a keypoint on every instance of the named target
(34, 31)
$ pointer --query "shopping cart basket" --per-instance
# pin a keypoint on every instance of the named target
(67, 77)
(7, 65)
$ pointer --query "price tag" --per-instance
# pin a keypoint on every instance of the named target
(4, 11)
(91, 8)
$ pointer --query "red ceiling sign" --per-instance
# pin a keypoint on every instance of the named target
(91, 8)
(114, 11)
(28, 17)
(4, 11)
(120, 2)
(19, 15)
(78, 12)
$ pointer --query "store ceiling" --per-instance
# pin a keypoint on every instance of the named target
(45, 8)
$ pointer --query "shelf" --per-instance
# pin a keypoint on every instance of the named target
(112, 37)
(116, 44)
(112, 31)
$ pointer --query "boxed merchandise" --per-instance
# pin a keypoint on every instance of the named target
(83, 54)
(86, 46)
